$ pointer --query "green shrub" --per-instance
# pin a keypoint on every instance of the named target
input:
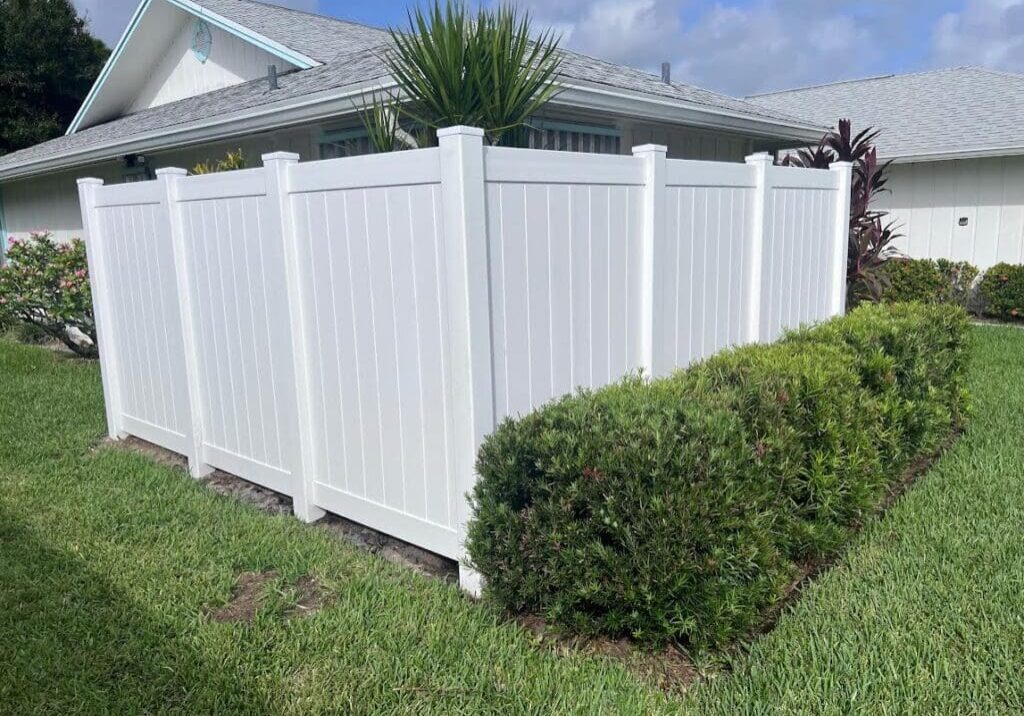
(929, 281)
(679, 509)
(1002, 292)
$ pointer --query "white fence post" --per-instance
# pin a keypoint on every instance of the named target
(102, 306)
(652, 236)
(466, 246)
(761, 162)
(841, 247)
(277, 166)
(169, 179)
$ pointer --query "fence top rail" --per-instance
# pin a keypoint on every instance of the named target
(696, 173)
(132, 194)
(801, 178)
(540, 166)
(223, 185)
(408, 168)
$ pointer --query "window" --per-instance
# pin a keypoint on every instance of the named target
(344, 143)
(574, 137)
(134, 174)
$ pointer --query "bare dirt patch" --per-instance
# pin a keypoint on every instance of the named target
(312, 597)
(245, 598)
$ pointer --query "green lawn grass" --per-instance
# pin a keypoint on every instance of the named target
(109, 565)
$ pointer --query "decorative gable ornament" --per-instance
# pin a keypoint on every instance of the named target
(202, 41)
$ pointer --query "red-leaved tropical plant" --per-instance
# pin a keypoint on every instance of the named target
(871, 238)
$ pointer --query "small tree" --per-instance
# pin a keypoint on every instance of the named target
(452, 68)
(870, 236)
(232, 161)
(45, 284)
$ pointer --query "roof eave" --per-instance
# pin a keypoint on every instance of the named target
(979, 153)
(342, 101)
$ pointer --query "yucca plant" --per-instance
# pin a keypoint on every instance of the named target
(485, 70)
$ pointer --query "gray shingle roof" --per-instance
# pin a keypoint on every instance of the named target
(960, 110)
(318, 36)
(351, 56)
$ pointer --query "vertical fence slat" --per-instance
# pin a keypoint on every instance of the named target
(171, 213)
(100, 282)
(282, 224)
(464, 208)
(841, 247)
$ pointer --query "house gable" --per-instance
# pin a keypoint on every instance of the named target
(202, 58)
(173, 49)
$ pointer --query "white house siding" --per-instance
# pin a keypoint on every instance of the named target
(929, 200)
(181, 73)
(49, 203)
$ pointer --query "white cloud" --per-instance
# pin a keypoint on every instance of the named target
(108, 18)
(985, 32)
(732, 46)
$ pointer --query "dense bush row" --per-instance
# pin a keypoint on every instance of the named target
(679, 509)
(928, 281)
(1002, 292)
(999, 293)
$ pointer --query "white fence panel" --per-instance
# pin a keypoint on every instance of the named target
(241, 321)
(377, 269)
(146, 331)
(702, 262)
(800, 258)
(565, 269)
(347, 332)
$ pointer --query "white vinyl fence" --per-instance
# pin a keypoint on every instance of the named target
(347, 331)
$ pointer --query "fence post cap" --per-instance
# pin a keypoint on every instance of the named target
(838, 166)
(90, 181)
(760, 158)
(649, 148)
(460, 130)
(171, 172)
(281, 157)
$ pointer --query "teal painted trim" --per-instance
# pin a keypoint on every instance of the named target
(111, 61)
(603, 131)
(342, 135)
(300, 61)
(296, 58)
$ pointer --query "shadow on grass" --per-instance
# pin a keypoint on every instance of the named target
(70, 642)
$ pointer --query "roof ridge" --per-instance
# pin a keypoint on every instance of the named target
(874, 78)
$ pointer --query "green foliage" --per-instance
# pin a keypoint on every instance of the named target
(1002, 292)
(928, 281)
(453, 68)
(678, 509)
(231, 161)
(45, 285)
(48, 62)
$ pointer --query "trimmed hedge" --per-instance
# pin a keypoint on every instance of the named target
(1002, 292)
(679, 509)
(928, 281)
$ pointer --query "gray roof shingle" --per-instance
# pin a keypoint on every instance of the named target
(961, 110)
(351, 54)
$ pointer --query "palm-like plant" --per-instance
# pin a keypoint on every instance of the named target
(484, 70)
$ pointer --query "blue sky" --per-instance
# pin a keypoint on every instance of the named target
(738, 46)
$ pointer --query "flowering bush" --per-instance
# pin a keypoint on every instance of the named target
(45, 284)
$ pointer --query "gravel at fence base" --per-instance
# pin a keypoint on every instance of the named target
(274, 503)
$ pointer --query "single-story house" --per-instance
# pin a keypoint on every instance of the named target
(190, 80)
(957, 142)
